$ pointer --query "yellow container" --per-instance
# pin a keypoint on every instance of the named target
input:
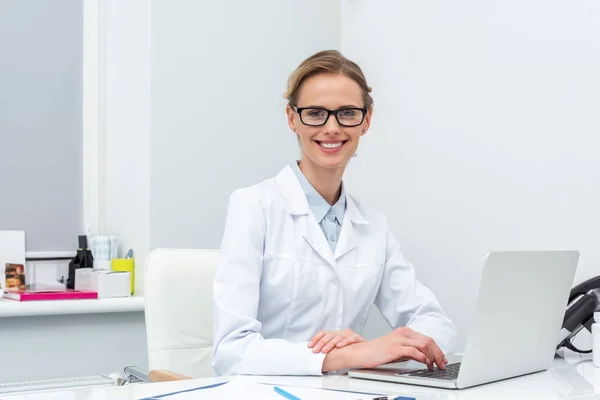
(124, 265)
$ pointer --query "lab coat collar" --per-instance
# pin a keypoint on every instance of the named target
(292, 192)
(297, 205)
(317, 204)
(296, 201)
(353, 212)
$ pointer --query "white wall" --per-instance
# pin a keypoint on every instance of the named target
(126, 141)
(485, 133)
(219, 70)
(485, 111)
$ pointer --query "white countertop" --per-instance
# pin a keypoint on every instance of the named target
(12, 308)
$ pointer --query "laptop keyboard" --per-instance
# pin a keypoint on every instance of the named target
(450, 373)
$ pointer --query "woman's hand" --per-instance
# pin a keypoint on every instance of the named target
(399, 345)
(324, 341)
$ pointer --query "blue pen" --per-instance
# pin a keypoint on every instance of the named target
(394, 398)
(285, 394)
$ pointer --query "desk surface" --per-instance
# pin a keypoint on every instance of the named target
(573, 377)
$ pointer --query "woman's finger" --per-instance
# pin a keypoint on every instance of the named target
(316, 338)
(332, 343)
(414, 354)
(355, 338)
(429, 347)
(359, 338)
(322, 342)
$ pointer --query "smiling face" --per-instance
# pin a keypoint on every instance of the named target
(332, 145)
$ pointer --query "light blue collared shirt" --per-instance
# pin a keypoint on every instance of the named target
(329, 217)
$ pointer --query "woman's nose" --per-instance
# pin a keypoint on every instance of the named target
(331, 127)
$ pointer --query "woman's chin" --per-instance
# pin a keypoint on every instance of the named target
(338, 161)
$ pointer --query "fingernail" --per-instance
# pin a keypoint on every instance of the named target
(310, 344)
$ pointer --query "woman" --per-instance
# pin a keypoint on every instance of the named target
(302, 260)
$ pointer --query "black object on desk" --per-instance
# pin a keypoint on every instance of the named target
(83, 259)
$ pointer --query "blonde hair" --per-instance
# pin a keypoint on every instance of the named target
(327, 61)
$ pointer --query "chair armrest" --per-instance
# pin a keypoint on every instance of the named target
(135, 374)
(163, 375)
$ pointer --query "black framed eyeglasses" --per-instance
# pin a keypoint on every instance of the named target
(317, 116)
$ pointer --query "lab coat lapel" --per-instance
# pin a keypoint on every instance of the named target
(347, 239)
(349, 232)
(307, 226)
(304, 222)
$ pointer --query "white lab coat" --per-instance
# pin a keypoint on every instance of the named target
(278, 281)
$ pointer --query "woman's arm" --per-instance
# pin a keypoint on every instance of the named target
(238, 346)
(422, 330)
(406, 302)
(399, 345)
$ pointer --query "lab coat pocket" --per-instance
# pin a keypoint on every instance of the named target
(310, 280)
(277, 283)
(311, 291)
(361, 280)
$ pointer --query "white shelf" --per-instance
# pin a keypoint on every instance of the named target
(50, 254)
(12, 308)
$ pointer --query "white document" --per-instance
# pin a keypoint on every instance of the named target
(12, 250)
(240, 388)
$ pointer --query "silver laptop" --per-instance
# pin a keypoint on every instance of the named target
(518, 315)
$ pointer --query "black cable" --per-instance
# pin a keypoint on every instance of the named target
(570, 346)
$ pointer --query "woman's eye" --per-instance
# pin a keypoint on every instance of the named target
(315, 113)
(348, 113)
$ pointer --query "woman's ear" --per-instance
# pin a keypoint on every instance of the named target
(291, 117)
(367, 122)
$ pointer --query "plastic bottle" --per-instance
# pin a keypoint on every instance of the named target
(596, 339)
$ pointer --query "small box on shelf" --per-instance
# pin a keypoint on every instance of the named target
(106, 283)
(125, 265)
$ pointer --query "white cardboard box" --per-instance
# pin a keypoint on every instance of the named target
(106, 283)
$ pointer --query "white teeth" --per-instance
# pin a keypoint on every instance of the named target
(330, 145)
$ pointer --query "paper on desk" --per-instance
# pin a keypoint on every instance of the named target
(305, 393)
(241, 388)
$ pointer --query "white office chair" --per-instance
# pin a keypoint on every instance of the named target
(179, 317)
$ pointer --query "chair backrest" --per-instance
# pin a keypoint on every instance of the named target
(179, 317)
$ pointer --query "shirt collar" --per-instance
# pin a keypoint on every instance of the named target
(316, 202)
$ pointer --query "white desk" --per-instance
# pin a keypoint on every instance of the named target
(571, 378)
